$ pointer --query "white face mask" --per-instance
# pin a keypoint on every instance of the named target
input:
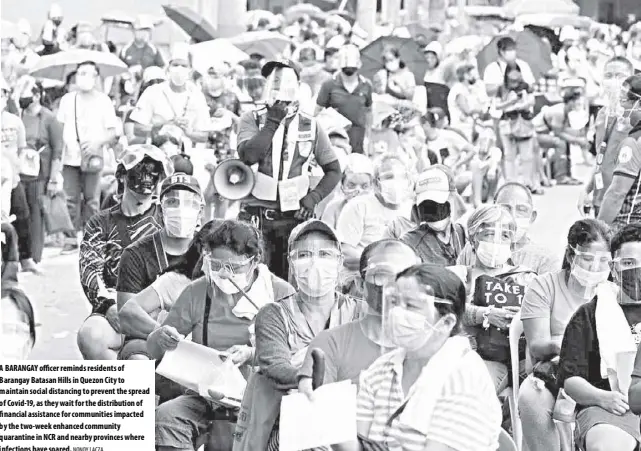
(85, 82)
(409, 330)
(242, 280)
(316, 277)
(522, 227)
(181, 222)
(179, 75)
(439, 226)
(493, 255)
(578, 119)
(392, 66)
(589, 278)
(394, 192)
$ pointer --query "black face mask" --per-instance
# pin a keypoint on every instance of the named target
(472, 81)
(630, 280)
(56, 22)
(144, 177)
(430, 211)
(349, 71)
(25, 102)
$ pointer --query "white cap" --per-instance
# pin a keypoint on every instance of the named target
(349, 56)
(180, 51)
(434, 47)
(55, 11)
(433, 184)
(143, 22)
(24, 27)
(359, 164)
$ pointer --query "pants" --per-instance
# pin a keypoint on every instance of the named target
(524, 150)
(83, 195)
(22, 224)
(34, 190)
(275, 236)
(356, 139)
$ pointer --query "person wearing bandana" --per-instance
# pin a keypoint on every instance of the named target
(283, 141)
(436, 240)
(620, 203)
(107, 233)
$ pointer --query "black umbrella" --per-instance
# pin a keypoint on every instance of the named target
(410, 51)
(192, 23)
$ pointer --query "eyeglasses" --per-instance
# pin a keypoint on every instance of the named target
(325, 254)
(241, 267)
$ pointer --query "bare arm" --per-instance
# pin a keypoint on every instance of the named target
(540, 343)
(135, 315)
(614, 197)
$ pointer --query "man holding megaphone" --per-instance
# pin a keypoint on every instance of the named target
(283, 141)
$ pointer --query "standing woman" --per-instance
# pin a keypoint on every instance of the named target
(42, 163)
(395, 78)
(516, 131)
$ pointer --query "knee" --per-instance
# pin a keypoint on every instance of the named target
(604, 437)
(535, 404)
(95, 335)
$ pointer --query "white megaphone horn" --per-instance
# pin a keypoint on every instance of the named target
(233, 179)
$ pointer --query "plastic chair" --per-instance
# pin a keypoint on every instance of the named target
(516, 330)
(505, 442)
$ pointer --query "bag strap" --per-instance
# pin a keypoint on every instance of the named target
(206, 318)
(75, 116)
(161, 256)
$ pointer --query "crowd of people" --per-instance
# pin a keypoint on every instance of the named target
(384, 226)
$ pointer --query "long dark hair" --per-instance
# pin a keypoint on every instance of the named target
(189, 264)
(583, 233)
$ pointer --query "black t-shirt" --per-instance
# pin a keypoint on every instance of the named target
(580, 353)
(141, 263)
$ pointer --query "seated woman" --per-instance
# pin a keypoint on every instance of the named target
(146, 311)
(218, 315)
(284, 329)
(599, 330)
(550, 301)
(492, 232)
(447, 390)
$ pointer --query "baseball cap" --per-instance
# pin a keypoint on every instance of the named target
(312, 225)
(349, 56)
(135, 153)
(180, 181)
(435, 184)
(271, 65)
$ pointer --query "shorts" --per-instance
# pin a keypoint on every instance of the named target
(133, 346)
(589, 417)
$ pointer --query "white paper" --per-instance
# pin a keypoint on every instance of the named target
(201, 369)
(625, 365)
(265, 187)
(330, 419)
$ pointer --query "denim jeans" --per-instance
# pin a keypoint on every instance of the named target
(22, 224)
(83, 195)
(34, 190)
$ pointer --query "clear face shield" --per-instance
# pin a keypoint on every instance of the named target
(626, 271)
(590, 267)
(394, 184)
(522, 213)
(181, 213)
(282, 85)
(494, 243)
(316, 268)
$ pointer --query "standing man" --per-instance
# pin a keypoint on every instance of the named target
(141, 52)
(89, 124)
(350, 94)
(283, 141)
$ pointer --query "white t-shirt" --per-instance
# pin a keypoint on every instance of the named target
(93, 115)
(494, 74)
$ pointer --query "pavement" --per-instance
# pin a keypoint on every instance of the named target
(61, 306)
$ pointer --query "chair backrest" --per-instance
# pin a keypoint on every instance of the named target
(505, 442)
(516, 330)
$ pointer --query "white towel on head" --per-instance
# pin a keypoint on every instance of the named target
(261, 293)
(426, 390)
(613, 332)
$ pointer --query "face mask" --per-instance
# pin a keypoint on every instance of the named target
(349, 71)
(143, 180)
(178, 75)
(56, 22)
(589, 278)
(578, 119)
(225, 285)
(25, 102)
(630, 280)
(509, 55)
(522, 227)
(393, 192)
(434, 213)
(392, 66)
(181, 222)
(409, 330)
(472, 81)
(316, 277)
(493, 255)
(85, 82)
(351, 193)
(439, 226)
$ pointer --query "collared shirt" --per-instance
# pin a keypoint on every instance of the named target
(145, 56)
(353, 105)
(466, 415)
(629, 165)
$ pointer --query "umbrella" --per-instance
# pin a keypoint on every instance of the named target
(550, 35)
(206, 53)
(410, 50)
(59, 65)
(553, 21)
(519, 7)
(192, 23)
(529, 47)
(304, 9)
(417, 31)
(122, 18)
(349, 17)
(8, 30)
(269, 44)
(462, 43)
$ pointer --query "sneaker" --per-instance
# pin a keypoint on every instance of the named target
(69, 248)
(28, 265)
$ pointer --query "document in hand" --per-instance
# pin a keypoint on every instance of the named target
(329, 419)
(201, 369)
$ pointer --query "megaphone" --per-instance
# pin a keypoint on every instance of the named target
(233, 179)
